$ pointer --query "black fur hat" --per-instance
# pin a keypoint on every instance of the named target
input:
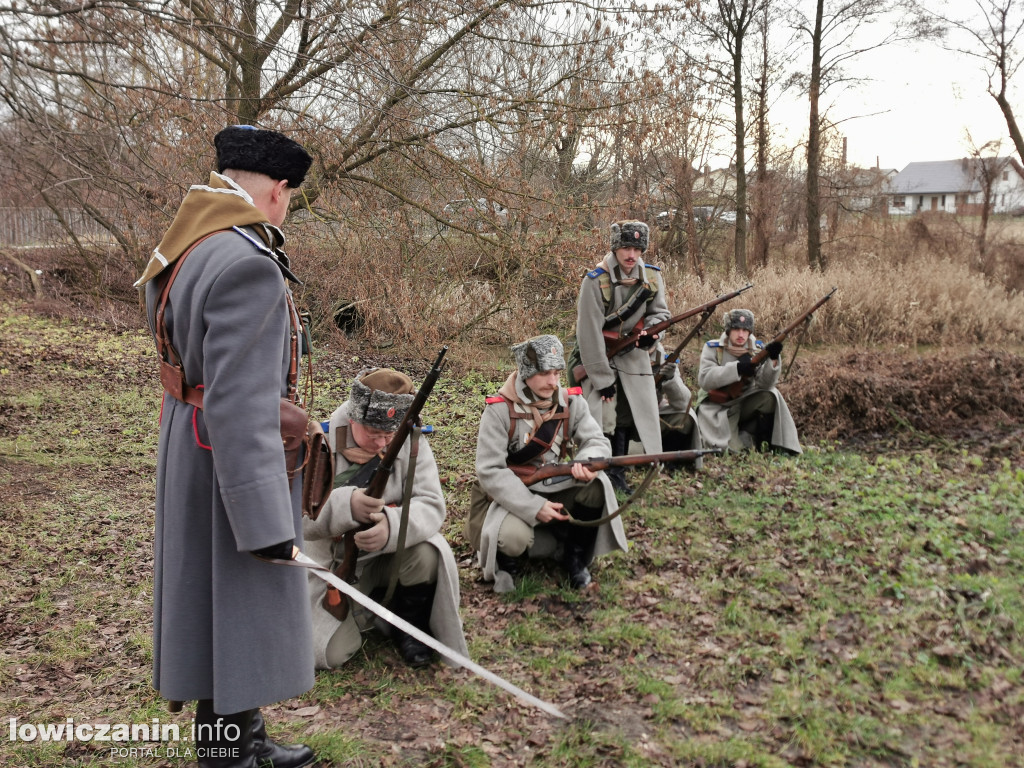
(247, 148)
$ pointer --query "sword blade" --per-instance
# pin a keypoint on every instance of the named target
(397, 621)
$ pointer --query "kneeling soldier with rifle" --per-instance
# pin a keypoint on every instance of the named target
(396, 532)
(533, 420)
(738, 406)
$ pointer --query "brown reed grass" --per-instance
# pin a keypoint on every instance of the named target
(897, 285)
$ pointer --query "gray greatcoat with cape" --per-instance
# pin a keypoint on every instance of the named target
(714, 419)
(632, 367)
(510, 496)
(227, 626)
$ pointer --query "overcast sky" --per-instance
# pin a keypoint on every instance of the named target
(921, 101)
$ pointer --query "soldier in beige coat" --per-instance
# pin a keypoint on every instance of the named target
(427, 595)
(758, 416)
(531, 421)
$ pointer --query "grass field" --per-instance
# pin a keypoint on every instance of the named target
(843, 608)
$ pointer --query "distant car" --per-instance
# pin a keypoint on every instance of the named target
(703, 214)
(729, 217)
(664, 219)
(481, 214)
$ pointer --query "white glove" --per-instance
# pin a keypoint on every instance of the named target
(375, 538)
(363, 507)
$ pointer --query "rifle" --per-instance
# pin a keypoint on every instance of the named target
(705, 313)
(734, 390)
(531, 475)
(614, 344)
(346, 569)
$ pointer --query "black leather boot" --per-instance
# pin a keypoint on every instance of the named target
(763, 427)
(224, 741)
(620, 447)
(510, 565)
(579, 547)
(270, 754)
(414, 604)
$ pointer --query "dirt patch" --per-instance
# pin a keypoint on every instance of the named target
(865, 397)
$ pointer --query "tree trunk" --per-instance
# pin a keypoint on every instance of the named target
(760, 207)
(815, 259)
(740, 243)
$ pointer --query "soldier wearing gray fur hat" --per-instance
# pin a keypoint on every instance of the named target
(427, 595)
(533, 420)
(621, 294)
(759, 416)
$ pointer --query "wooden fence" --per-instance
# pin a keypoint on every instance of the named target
(39, 227)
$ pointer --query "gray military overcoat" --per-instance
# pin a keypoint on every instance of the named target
(714, 419)
(427, 513)
(226, 626)
(512, 497)
(633, 367)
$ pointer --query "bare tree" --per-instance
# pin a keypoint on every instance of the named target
(767, 83)
(728, 23)
(839, 32)
(408, 101)
(993, 38)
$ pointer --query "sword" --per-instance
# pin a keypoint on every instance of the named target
(303, 561)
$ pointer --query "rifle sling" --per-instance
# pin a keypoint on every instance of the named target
(633, 496)
(403, 523)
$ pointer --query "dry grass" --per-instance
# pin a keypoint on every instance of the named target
(899, 283)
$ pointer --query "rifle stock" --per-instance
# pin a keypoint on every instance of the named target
(614, 344)
(734, 390)
(531, 475)
(334, 602)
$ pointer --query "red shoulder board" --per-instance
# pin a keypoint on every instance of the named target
(575, 390)
(494, 399)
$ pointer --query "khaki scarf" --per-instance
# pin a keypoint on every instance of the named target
(221, 204)
(540, 410)
(749, 347)
(353, 453)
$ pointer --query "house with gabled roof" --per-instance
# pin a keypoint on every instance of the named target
(958, 186)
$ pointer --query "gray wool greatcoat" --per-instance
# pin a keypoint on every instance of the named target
(427, 513)
(510, 496)
(714, 421)
(227, 626)
(675, 405)
(632, 367)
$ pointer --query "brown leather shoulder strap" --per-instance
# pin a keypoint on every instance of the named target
(172, 374)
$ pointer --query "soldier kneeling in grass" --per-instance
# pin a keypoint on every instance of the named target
(426, 592)
(531, 421)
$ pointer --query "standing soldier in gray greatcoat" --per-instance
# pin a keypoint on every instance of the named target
(532, 421)
(759, 415)
(619, 295)
(427, 590)
(229, 630)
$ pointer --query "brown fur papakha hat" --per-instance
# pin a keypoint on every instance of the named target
(630, 234)
(541, 353)
(380, 398)
(247, 148)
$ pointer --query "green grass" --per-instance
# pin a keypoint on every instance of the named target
(835, 609)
